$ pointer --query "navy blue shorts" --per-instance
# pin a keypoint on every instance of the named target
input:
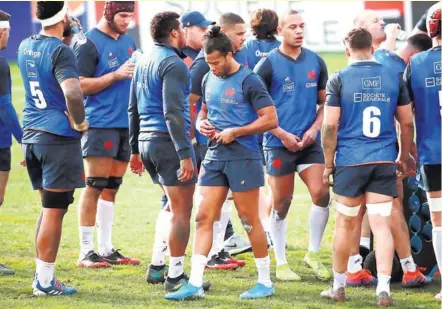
(55, 166)
(5, 159)
(162, 162)
(200, 153)
(238, 175)
(281, 161)
(98, 142)
(430, 177)
(354, 181)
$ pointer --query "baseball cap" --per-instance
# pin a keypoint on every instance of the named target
(195, 18)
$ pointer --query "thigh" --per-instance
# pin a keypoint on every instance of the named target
(280, 161)
(246, 202)
(351, 181)
(180, 198)
(212, 174)
(430, 176)
(310, 155)
(211, 201)
(5, 159)
(383, 180)
(100, 143)
(98, 166)
(62, 166)
(312, 177)
(33, 166)
(244, 175)
(123, 150)
(281, 188)
(118, 168)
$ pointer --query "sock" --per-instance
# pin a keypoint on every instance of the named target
(225, 215)
(86, 240)
(105, 217)
(365, 242)
(338, 280)
(408, 264)
(266, 224)
(160, 244)
(263, 266)
(278, 230)
(437, 244)
(176, 266)
(354, 263)
(383, 284)
(318, 222)
(217, 240)
(197, 272)
(45, 272)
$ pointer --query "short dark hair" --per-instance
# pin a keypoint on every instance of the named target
(216, 40)
(285, 14)
(4, 16)
(162, 24)
(359, 39)
(47, 9)
(264, 23)
(230, 19)
(420, 42)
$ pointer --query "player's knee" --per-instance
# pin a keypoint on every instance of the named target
(97, 183)
(349, 216)
(247, 223)
(114, 183)
(57, 200)
(283, 208)
(321, 197)
(203, 219)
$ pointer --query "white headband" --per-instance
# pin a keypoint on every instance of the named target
(4, 24)
(56, 18)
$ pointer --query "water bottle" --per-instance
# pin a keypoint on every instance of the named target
(79, 36)
(401, 34)
(136, 56)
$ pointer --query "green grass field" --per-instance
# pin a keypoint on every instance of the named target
(136, 210)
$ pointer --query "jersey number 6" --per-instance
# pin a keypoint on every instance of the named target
(371, 125)
(37, 95)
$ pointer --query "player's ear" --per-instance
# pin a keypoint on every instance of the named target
(347, 51)
(372, 50)
(279, 29)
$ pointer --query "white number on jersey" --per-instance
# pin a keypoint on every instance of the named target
(371, 125)
(38, 97)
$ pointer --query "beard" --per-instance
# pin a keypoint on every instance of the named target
(67, 30)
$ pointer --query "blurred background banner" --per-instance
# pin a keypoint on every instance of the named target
(326, 21)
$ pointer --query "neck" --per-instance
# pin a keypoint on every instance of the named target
(55, 31)
(290, 51)
(103, 25)
(404, 53)
(436, 42)
(193, 45)
(376, 45)
(234, 67)
(355, 56)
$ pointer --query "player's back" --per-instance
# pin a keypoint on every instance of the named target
(256, 49)
(149, 88)
(390, 59)
(368, 99)
(45, 103)
(426, 80)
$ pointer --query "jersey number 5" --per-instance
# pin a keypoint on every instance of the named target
(371, 125)
(37, 95)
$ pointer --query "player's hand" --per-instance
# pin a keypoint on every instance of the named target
(136, 164)
(411, 168)
(185, 173)
(291, 142)
(226, 136)
(125, 71)
(328, 171)
(309, 137)
(73, 125)
(23, 163)
(205, 127)
(391, 30)
(401, 166)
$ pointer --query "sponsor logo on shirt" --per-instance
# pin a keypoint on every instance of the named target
(289, 86)
(371, 83)
(371, 97)
(228, 97)
(261, 54)
(113, 61)
(311, 74)
(433, 82)
(31, 69)
(31, 53)
(438, 67)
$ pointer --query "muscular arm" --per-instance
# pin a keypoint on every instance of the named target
(175, 76)
(93, 85)
(193, 98)
(66, 72)
(74, 99)
(322, 83)
(404, 116)
(134, 118)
